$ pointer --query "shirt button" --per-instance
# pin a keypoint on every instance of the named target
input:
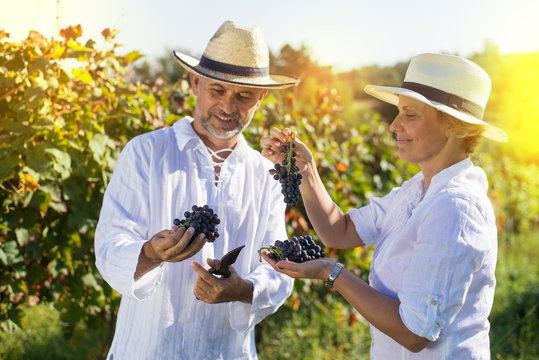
(434, 302)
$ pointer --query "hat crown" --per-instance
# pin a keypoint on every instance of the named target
(238, 46)
(452, 74)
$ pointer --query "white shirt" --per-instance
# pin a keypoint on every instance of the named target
(159, 176)
(436, 252)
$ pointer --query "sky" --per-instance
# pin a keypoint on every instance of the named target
(346, 34)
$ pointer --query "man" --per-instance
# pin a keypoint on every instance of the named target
(172, 307)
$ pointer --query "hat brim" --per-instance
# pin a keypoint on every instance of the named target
(391, 95)
(273, 81)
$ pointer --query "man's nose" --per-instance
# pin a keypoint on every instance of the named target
(228, 104)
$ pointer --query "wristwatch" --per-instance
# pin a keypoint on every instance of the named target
(333, 275)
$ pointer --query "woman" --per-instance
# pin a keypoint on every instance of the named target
(432, 274)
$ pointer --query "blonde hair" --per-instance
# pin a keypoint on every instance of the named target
(470, 134)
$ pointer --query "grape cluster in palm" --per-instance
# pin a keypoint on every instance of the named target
(203, 219)
(298, 249)
(287, 174)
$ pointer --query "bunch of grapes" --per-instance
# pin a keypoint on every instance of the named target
(203, 219)
(287, 174)
(298, 249)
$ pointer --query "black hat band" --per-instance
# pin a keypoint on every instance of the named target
(453, 101)
(233, 69)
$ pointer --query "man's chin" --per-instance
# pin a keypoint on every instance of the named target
(224, 134)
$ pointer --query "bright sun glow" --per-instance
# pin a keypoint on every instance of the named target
(518, 110)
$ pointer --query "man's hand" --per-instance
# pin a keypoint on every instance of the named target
(168, 245)
(212, 289)
(172, 245)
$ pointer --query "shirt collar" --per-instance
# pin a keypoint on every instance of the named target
(443, 177)
(185, 134)
(416, 190)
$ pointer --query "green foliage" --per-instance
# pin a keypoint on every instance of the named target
(514, 192)
(67, 111)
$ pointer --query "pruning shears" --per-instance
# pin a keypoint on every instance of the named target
(223, 269)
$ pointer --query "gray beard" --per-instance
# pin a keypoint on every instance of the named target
(218, 133)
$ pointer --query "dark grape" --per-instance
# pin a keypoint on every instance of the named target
(298, 249)
(203, 219)
(287, 174)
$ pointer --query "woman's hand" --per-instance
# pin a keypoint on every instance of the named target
(312, 269)
(278, 137)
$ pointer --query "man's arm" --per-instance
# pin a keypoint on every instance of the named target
(171, 246)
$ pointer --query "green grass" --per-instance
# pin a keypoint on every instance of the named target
(515, 315)
(43, 337)
(318, 324)
(317, 330)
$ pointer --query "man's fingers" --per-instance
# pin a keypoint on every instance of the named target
(184, 250)
(203, 273)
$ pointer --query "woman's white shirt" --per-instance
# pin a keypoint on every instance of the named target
(436, 252)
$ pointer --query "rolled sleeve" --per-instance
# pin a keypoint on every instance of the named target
(368, 220)
(270, 290)
(146, 285)
(449, 248)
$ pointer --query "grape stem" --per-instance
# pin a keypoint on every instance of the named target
(185, 224)
(274, 250)
(289, 156)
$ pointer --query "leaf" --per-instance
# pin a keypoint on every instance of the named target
(12, 252)
(89, 280)
(132, 56)
(71, 32)
(22, 236)
(16, 315)
(83, 76)
(98, 144)
(3, 257)
(39, 63)
(62, 162)
(7, 165)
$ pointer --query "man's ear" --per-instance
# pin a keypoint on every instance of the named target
(195, 82)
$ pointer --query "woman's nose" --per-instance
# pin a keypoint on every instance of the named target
(395, 125)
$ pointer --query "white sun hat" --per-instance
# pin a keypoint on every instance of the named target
(239, 56)
(449, 83)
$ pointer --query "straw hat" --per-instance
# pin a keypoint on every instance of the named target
(239, 56)
(449, 83)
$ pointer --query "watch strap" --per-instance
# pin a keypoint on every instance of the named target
(333, 275)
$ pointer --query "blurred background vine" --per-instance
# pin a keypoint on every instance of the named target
(68, 108)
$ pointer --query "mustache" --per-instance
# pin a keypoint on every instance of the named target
(236, 116)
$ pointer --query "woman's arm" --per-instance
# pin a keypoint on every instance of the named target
(334, 228)
(380, 310)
